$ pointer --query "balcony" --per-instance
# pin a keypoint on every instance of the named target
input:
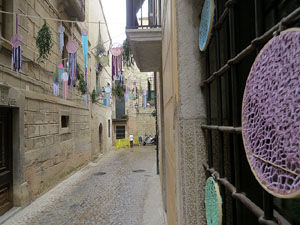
(75, 9)
(144, 34)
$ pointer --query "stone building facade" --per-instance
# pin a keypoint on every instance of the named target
(139, 118)
(50, 137)
(199, 104)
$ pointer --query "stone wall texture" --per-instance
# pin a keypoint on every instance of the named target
(50, 151)
(183, 106)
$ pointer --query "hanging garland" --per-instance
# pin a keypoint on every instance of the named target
(128, 59)
(44, 42)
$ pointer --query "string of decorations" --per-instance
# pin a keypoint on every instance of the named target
(44, 44)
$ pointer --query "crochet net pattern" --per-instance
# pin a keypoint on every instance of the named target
(271, 116)
(205, 24)
(212, 204)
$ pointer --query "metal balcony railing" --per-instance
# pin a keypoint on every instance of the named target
(135, 20)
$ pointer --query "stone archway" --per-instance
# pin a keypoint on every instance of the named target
(101, 138)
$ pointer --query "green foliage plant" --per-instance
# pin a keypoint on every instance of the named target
(128, 59)
(81, 86)
(44, 42)
(118, 91)
(93, 96)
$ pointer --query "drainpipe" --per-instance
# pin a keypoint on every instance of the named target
(156, 126)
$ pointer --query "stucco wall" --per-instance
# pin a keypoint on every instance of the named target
(170, 99)
(184, 112)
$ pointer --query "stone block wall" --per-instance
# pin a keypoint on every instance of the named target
(51, 152)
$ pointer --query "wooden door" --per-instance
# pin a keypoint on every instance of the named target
(5, 160)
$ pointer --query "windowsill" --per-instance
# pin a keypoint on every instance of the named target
(6, 43)
(65, 130)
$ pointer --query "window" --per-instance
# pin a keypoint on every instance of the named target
(120, 132)
(6, 20)
(108, 128)
(238, 26)
(64, 121)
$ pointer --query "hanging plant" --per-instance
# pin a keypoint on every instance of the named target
(93, 96)
(153, 113)
(118, 91)
(128, 59)
(44, 42)
(81, 86)
(100, 49)
(99, 66)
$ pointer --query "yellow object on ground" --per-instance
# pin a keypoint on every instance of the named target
(120, 143)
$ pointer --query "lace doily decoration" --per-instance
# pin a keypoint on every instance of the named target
(271, 116)
(213, 203)
(206, 24)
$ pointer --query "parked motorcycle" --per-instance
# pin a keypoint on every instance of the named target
(149, 140)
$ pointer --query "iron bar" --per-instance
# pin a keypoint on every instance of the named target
(250, 48)
(227, 129)
(240, 197)
(220, 114)
(233, 72)
(221, 20)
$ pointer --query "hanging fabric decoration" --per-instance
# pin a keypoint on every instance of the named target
(116, 51)
(213, 203)
(65, 78)
(85, 44)
(72, 48)
(134, 89)
(145, 100)
(16, 56)
(85, 99)
(107, 96)
(61, 31)
(55, 88)
(60, 71)
(126, 95)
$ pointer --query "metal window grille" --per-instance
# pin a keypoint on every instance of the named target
(120, 132)
(235, 42)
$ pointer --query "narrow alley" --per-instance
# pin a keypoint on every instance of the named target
(120, 187)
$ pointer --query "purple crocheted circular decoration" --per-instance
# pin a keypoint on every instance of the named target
(84, 32)
(16, 41)
(271, 116)
(72, 47)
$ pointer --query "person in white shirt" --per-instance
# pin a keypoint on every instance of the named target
(131, 140)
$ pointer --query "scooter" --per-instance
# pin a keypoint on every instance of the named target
(149, 140)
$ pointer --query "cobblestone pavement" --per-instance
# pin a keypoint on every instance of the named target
(118, 197)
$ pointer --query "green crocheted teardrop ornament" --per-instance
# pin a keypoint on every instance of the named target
(213, 203)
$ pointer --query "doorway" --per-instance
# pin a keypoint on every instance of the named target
(100, 138)
(6, 176)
